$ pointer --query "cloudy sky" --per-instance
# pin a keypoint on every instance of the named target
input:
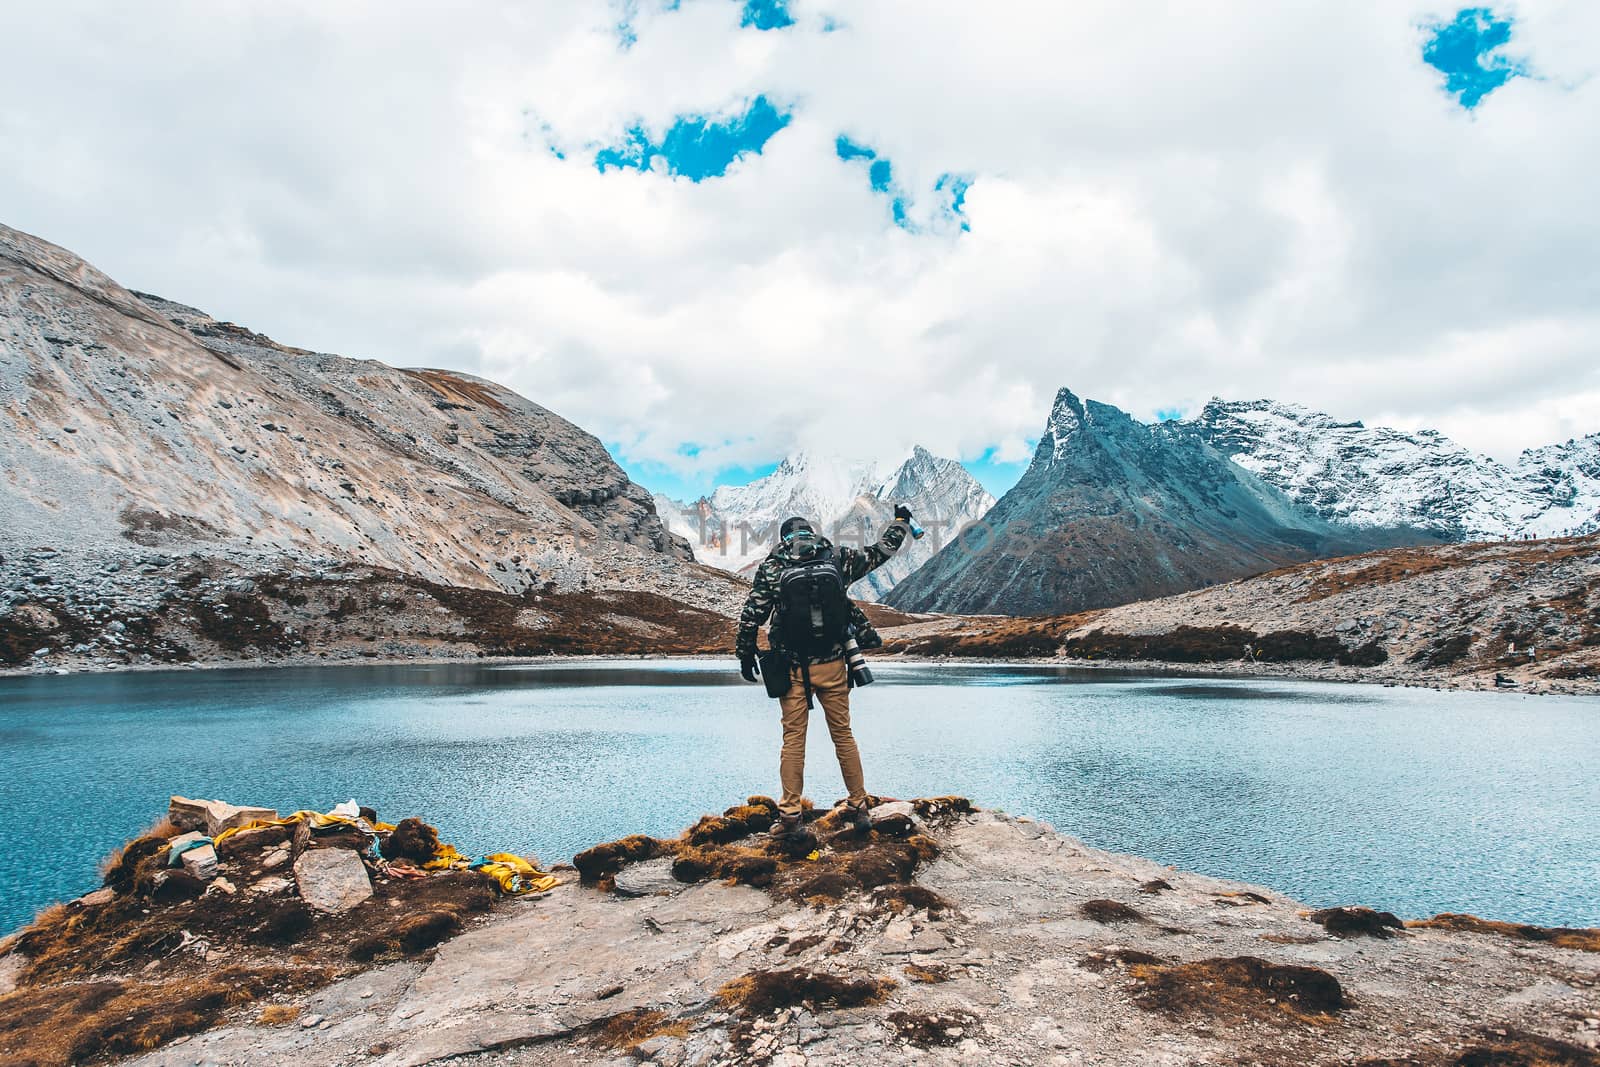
(713, 231)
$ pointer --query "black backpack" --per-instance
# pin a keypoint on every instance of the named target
(813, 612)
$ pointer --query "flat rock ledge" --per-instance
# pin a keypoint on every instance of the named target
(1027, 948)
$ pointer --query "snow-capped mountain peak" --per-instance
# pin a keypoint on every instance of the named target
(850, 500)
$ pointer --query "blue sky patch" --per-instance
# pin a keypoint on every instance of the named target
(766, 14)
(661, 478)
(954, 188)
(1467, 52)
(951, 189)
(696, 147)
(1168, 414)
(880, 175)
(997, 476)
(848, 149)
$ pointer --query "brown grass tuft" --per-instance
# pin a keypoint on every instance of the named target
(1107, 958)
(1238, 987)
(121, 869)
(278, 1015)
(54, 1026)
(927, 973)
(627, 1030)
(1357, 922)
(1584, 940)
(765, 992)
(162, 830)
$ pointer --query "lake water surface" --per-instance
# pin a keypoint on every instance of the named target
(1408, 800)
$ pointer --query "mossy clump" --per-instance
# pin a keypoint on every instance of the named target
(942, 807)
(766, 992)
(603, 861)
(1237, 987)
(923, 1029)
(740, 865)
(1518, 1048)
(908, 896)
(1358, 922)
(1110, 911)
(754, 816)
(287, 924)
(414, 934)
(1580, 938)
(412, 839)
(853, 865)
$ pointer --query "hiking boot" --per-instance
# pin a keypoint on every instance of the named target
(785, 826)
(861, 819)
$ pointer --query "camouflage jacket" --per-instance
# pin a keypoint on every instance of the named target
(854, 564)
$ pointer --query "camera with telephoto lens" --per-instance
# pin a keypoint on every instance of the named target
(860, 673)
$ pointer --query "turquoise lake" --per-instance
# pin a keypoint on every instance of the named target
(1409, 800)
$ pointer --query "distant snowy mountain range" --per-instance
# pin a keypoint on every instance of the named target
(736, 526)
(1241, 487)
(1377, 477)
(1113, 510)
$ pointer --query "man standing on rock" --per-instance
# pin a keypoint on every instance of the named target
(804, 580)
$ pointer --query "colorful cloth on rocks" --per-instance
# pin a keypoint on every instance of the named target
(514, 874)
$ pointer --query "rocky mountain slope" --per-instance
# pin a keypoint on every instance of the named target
(1381, 478)
(1111, 511)
(947, 935)
(144, 445)
(1477, 615)
(736, 526)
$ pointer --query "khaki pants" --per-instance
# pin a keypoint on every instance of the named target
(830, 683)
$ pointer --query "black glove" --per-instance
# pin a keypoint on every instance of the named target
(748, 668)
(902, 513)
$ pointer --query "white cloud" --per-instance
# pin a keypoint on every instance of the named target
(1242, 199)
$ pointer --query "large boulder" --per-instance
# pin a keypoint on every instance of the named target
(213, 816)
(332, 879)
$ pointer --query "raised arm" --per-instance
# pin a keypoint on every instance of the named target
(858, 563)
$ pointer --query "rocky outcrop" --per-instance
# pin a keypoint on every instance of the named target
(996, 940)
(131, 421)
(173, 487)
(196, 610)
(1517, 614)
(1112, 511)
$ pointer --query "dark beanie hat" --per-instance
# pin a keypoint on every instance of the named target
(792, 524)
